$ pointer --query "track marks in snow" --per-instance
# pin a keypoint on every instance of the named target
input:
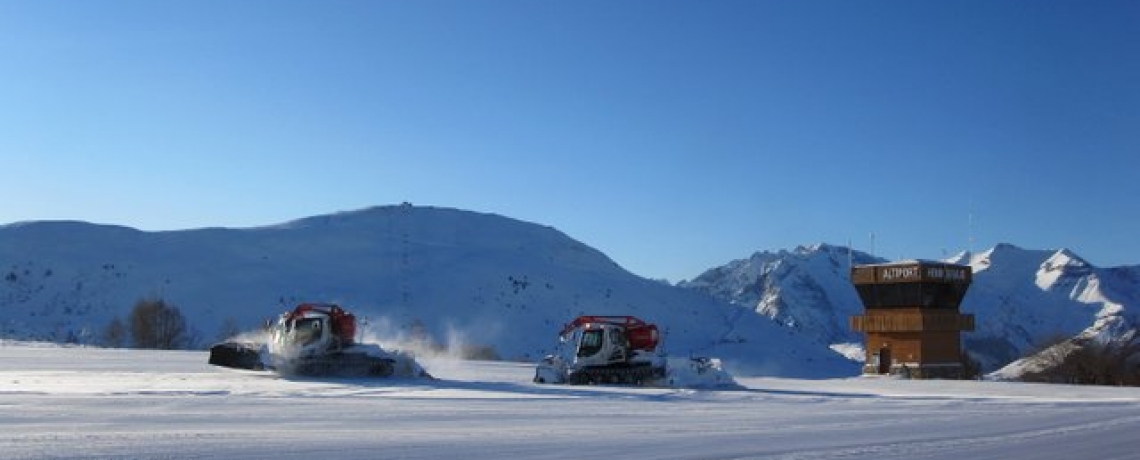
(975, 446)
(112, 410)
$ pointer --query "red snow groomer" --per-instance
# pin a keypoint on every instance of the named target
(314, 339)
(605, 349)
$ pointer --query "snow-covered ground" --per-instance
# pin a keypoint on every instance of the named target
(63, 402)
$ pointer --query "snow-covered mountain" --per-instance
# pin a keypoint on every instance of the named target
(465, 277)
(1020, 298)
(1025, 299)
(808, 289)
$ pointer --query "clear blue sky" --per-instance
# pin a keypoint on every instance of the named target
(673, 136)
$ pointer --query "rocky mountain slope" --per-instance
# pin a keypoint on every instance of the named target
(1021, 298)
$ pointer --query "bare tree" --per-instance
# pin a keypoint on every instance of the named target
(115, 336)
(155, 324)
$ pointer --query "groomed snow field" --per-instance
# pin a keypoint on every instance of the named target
(89, 403)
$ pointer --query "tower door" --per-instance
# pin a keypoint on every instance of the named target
(884, 360)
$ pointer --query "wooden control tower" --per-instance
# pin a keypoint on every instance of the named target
(911, 318)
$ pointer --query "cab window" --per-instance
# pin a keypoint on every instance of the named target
(591, 343)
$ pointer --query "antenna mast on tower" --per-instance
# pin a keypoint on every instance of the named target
(970, 230)
(850, 257)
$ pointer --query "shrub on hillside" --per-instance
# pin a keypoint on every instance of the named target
(156, 324)
(115, 335)
(971, 368)
(1086, 361)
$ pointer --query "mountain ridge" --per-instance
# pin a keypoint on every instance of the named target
(462, 276)
(497, 281)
